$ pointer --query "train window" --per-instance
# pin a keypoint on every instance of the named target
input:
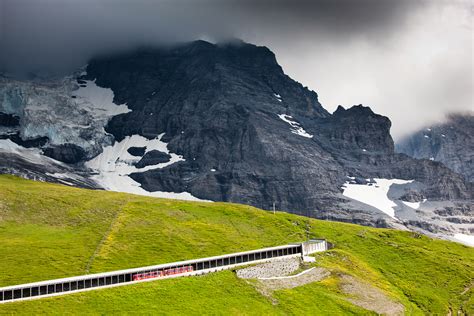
(59, 288)
(43, 290)
(95, 282)
(108, 280)
(34, 291)
(16, 293)
(66, 286)
(50, 288)
(7, 295)
(101, 281)
(226, 261)
(26, 292)
(232, 260)
(73, 286)
(121, 278)
(80, 285)
(114, 279)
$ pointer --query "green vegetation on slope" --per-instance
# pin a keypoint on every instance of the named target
(51, 231)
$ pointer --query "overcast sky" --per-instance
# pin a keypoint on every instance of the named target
(409, 60)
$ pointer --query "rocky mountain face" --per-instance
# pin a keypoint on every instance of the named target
(224, 123)
(451, 143)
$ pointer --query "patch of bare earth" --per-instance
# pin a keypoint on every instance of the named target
(267, 287)
(369, 297)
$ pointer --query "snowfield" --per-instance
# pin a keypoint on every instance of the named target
(115, 164)
(375, 194)
(465, 239)
(99, 101)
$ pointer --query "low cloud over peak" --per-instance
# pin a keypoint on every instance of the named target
(410, 60)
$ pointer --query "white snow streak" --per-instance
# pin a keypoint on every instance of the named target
(374, 195)
(295, 126)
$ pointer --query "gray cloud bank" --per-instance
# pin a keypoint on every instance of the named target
(411, 60)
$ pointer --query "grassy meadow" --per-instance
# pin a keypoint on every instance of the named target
(52, 231)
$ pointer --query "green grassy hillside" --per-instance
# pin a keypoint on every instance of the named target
(52, 231)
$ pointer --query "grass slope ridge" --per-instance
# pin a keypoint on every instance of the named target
(52, 231)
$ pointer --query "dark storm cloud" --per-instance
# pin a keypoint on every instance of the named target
(60, 35)
(408, 59)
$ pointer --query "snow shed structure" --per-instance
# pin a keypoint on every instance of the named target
(180, 268)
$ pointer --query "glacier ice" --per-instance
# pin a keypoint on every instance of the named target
(62, 110)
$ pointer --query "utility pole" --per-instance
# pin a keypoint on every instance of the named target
(308, 227)
(273, 208)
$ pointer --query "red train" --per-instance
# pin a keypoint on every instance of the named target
(162, 273)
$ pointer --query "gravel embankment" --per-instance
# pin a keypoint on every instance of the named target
(275, 268)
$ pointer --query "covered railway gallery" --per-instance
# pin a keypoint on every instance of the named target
(115, 278)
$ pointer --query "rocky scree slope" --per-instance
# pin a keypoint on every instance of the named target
(240, 130)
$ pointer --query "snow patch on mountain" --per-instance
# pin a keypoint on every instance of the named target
(414, 205)
(99, 101)
(39, 167)
(374, 194)
(33, 155)
(295, 126)
(465, 239)
(115, 164)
